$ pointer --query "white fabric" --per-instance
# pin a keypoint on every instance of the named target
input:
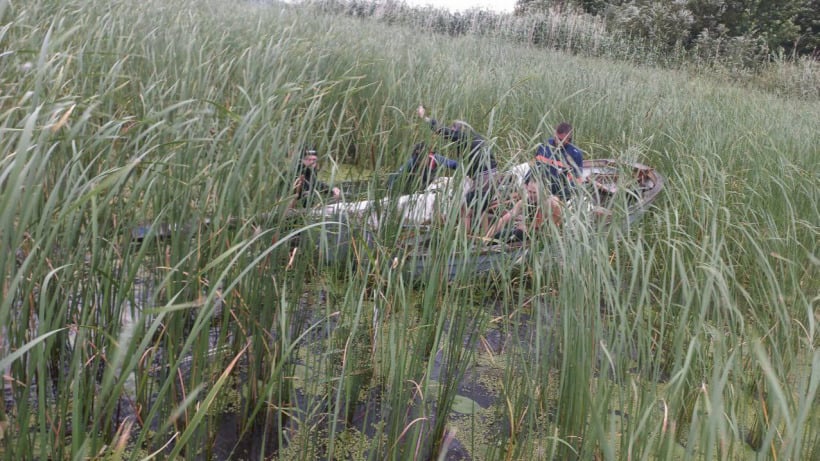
(417, 208)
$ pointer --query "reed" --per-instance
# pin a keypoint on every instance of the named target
(690, 335)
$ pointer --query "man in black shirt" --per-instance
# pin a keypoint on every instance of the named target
(478, 160)
(307, 185)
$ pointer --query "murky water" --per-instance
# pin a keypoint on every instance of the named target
(474, 404)
(474, 412)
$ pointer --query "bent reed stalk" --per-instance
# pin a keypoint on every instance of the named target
(690, 335)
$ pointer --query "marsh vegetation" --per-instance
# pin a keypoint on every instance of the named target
(691, 336)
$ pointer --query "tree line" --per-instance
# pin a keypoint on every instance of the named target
(790, 26)
(734, 39)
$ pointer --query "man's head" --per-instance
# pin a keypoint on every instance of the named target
(533, 190)
(533, 182)
(461, 126)
(310, 158)
(563, 134)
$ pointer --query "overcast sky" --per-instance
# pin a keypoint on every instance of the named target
(460, 5)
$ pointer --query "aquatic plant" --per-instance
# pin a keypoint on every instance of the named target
(691, 335)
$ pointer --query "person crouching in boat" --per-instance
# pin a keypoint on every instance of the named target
(564, 162)
(529, 213)
(308, 190)
(479, 164)
(307, 187)
(420, 170)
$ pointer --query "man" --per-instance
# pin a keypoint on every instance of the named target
(564, 161)
(479, 163)
(307, 185)
(421, 167)
(479, 159)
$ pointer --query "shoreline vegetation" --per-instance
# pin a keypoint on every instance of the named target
(690, 336)
(737, 61)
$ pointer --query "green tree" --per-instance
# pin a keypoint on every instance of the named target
(666, 22)
(785, 23)
(808, 20)
(788, 24)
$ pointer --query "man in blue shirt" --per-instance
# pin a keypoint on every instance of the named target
(422, 166)
(564, 161)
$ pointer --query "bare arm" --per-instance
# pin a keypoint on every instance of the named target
(505, 219)
(445, 132)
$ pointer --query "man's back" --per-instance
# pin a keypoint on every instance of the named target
(563, 164)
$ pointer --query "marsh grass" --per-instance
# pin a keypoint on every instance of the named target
(691, 335)
(734, 61)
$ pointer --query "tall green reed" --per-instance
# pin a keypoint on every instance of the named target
(686, 337)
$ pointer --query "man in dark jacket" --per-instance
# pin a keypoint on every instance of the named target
(564, 161)
(478, 160)
(307, 185)
(421, 167)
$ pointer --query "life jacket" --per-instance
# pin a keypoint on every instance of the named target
(560, 166)
(430, 173)
(432, 157)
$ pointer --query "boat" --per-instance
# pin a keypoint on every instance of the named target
(613, 193)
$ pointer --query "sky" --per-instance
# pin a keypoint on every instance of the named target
(461, 5)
